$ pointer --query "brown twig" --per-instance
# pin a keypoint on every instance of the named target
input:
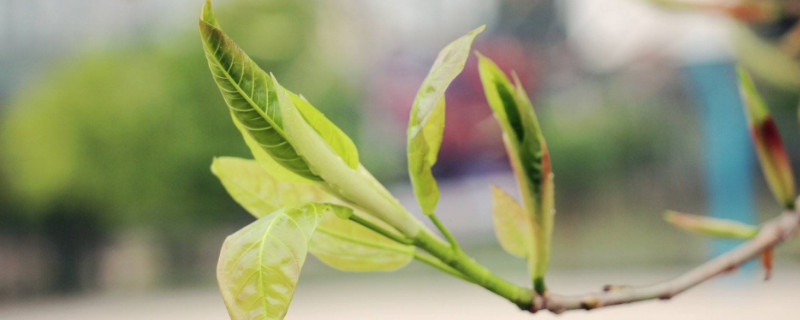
(770, 234)
(790, 41)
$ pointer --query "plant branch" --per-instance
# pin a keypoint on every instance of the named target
(436, 263)
(445, 232)
(470, 269)
(772, 233)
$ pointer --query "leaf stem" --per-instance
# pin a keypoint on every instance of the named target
(470, 269)
(445, 232)
(383, 231)
(438, 264)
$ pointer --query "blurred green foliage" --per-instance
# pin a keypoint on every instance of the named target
(129, 133)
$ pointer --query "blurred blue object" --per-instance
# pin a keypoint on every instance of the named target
(728, 151)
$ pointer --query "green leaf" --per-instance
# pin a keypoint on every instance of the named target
(529, 158)
(249, 93)
(335, 137)
(265, 160)
(349, 246)
(259, 191)
(768, 144)
(511, 223)
(710, 226)
(341, 243)
(260, 264)
(426, 124)
(355, 185)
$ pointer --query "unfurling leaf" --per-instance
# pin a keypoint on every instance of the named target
(265, 160)
(354, 185)
(260, 264)
(767, 141)
(335, 137)
(341, 243)
(527, 152)
(251, 95)
(426, 124)
(511, 223)
(710, 226)
(259, 103)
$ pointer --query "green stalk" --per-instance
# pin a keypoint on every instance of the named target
(433, 262)
(381, 230)
(479, 274)
(449, 258)
(445, 232)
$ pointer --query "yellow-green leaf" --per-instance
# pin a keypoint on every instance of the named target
(710, 226)
(260, 264)
(349, 246)
(342, 244)
(767, 141)
(511, 223)
(249, 93)
(529, 158)
(258, 191)
(426, 124)
(265, 160)
(335, 137)
(357, 185)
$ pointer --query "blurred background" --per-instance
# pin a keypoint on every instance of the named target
(109, 119)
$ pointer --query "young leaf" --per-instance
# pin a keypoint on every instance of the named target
(341, 243)
(249, 93)
(767, 141)
(426, 124)
(348, 246)
(265, 160)
(260, 264)
(529, 158)
(354, 185)
(710, 226)
(258, 191)
(511, 223)
(335, 137)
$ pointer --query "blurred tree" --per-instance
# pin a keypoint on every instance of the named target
(124, 137)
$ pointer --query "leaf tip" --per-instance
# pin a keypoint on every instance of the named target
(207, 15)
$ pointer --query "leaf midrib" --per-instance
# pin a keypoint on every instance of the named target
(247, 98)
(361, 242)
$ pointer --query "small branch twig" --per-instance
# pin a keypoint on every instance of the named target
(445, 232)
(772, 233)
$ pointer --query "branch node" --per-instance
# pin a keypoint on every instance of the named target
(590, 303)
(539, 302)
(614, 287)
